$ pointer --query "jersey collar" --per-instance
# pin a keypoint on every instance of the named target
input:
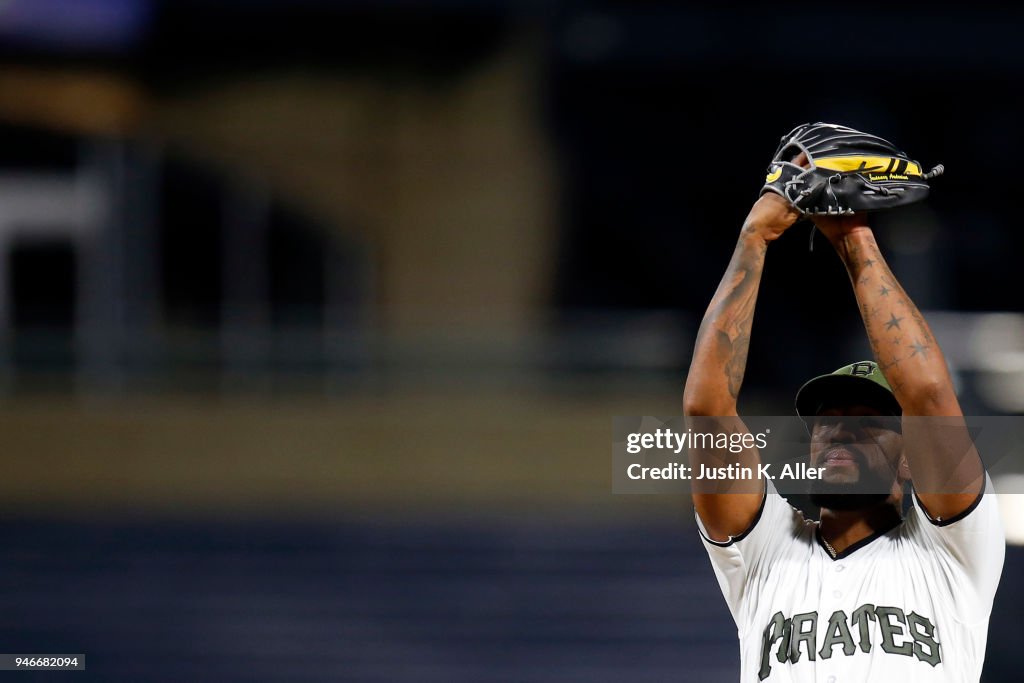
(853, 548)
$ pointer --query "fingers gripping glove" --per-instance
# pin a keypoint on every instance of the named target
(849, 171)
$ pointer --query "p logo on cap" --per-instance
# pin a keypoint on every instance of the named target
(862, 381)
(865, 369)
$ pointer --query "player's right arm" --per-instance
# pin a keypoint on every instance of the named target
(717, 369)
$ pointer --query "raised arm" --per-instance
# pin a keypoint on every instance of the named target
(719, 362)
(945, 468)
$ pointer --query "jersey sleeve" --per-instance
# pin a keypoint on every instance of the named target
(973, 543)
(738, 562)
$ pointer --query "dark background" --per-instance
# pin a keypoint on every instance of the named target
(314, 314)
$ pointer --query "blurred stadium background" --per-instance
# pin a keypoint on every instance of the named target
(313, 315)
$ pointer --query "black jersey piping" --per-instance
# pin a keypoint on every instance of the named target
(852, 548)
(734, 539)
(955, 518)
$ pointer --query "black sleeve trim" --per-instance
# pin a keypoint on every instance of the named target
(957, 517)
(733, 539)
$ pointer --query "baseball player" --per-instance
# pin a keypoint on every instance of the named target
(866, 593)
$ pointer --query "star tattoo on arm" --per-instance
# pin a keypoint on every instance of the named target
(893, 322)
(919, 348)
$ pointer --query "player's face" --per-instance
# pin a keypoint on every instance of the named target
(861, 451)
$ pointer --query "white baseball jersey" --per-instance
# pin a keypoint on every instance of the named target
(911, 604)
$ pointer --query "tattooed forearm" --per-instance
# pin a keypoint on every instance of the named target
(900, 338)
(720, 355)
(944, 465)
(736, 366)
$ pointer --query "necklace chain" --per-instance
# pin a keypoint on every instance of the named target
(828, 546)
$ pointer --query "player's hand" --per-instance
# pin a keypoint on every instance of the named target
(770, 216)
(835, 228)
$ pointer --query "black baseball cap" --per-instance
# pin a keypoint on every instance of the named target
(861, 382)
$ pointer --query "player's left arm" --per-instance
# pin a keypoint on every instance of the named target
(947, 472)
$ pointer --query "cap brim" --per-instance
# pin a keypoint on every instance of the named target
(832, 389)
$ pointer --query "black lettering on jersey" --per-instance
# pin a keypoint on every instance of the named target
(798, 634)
(835, 633)
(775, 630)
(891, 630)
(782, 655)
(860, 618)
(926, 648)
(910, 635)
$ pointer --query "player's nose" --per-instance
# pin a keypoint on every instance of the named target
(848, 430)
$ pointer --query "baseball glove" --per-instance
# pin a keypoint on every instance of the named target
(848, 171)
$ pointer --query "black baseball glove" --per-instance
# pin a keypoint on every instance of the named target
(849, 171)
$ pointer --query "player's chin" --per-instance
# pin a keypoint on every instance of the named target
(848, 501)
(845, 494)
(834, 485)
(846, 473)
